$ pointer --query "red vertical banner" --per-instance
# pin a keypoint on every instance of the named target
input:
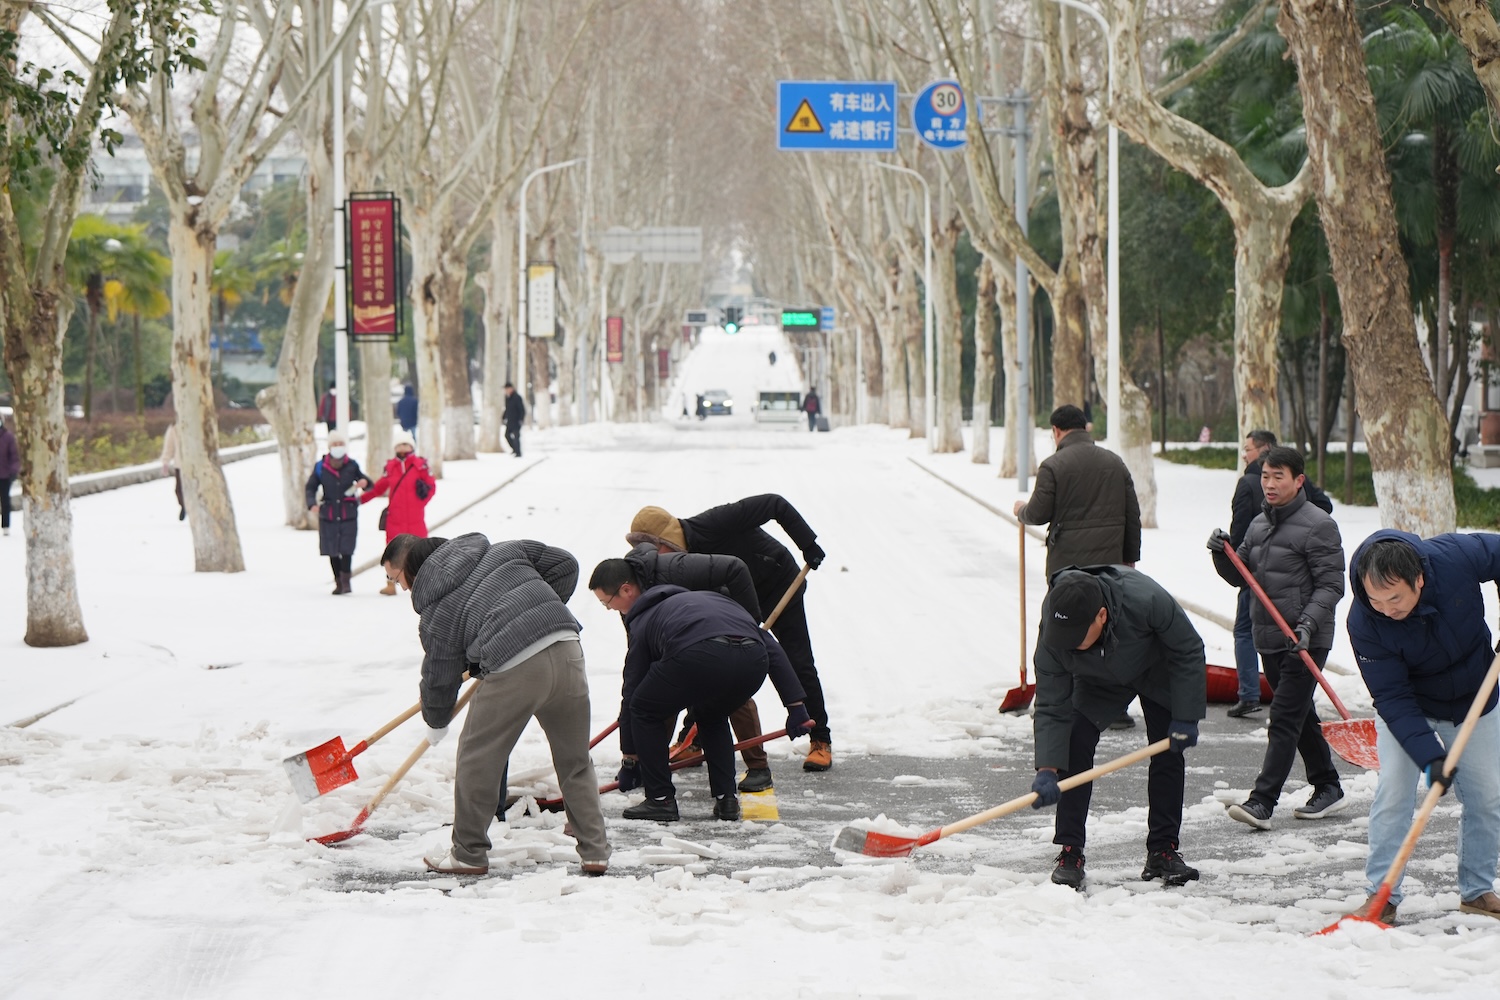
(663, 364)
(614, 339)
(373, 260)
(687, 335)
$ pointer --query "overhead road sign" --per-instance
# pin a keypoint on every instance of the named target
(654, 244)
(825, 318)
(941, 115)
(799, 319)
(696, 317)
(836, 115)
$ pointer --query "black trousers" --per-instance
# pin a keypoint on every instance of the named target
(5, 503)
(712, 678)
(513, 437)
(1295, 727)
(340, 564)
(1164, 783)
(791, 631)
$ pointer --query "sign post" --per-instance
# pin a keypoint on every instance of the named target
(541, 300)
(374, 261)
(799, 320)
(836, 116)
(940, 115)
(614, 340)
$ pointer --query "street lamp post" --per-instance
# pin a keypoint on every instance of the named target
(930, 416)
(521, 331)
(1112, 260)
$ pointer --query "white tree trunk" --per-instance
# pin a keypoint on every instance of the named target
(424, 297)
(375, 393)
(948, 336)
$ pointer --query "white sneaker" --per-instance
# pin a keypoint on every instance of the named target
(447, 864)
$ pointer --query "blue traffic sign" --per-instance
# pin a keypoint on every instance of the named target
(825, 318)
(836, 115)
(940, 114)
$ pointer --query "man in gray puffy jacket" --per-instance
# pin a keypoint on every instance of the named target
(500, 612)
(1294, 551)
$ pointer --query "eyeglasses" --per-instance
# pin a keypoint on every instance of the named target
(392, 579)
(604, 601)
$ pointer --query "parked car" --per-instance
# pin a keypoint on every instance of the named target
(717, 401)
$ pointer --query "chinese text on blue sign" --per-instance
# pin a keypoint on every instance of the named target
(940, 115)
(840, 115)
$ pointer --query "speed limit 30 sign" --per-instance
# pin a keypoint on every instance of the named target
(940, 115)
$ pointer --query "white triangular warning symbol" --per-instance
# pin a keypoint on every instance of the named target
(804, 120)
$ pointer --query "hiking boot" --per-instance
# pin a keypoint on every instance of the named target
(1486, 905)
(595, 868)
(389, 590)
(1252, 813)
(1326, 800)
(344, 586)
(726, 807)
(658, 810)
(819, 757)
(444, 862)
(1244, 708)
(1125, 721)
(1387, 912)
(756, 779)
(1169, 867)
(681, 751)
(1068, 868)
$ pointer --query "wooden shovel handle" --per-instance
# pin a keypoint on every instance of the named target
(1022, 526)
(786, 598)
(386, 729)
(1082, 778)
(413, 757)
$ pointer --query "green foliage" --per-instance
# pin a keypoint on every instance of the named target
(1205, 458)
(1478, 507)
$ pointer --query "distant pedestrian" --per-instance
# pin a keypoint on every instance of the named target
(772, 357)
(410, 485)
(699, 409)
(812, 406)
(328, 406)
(170, 467)
(10, 468)
(336, 474)
(515, 416)
(406, 410)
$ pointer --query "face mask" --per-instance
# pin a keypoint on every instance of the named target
(337, 451)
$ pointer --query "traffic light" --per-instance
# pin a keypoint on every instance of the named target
(732, 318)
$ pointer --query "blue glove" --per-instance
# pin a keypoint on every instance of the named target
(1218, 540)
(1045, 786)
(629, 775)
(797, 721)
(1302, 635)
(1182, 734)
(814, 555)
(1434, 772)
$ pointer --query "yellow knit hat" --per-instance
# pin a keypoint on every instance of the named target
(654, 525)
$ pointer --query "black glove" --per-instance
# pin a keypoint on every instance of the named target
(797, 721)
(1434, 772)
(1045, 786)
(629, 775)
(814, 555)
(1183, 734)
(1217, 540)
(422, 489)
(1301, 637)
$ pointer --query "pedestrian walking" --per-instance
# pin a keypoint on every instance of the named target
(1109, 634)
(500, 612)
(406, 410)
(171, 467)
(411, 487)
(1294, 550)
(515, 415)
(812, 406)
(1243, 508)
(336, 475)
(328, 406)
(734, 529)
(1419, 636)
(10, 468)
(694, 650)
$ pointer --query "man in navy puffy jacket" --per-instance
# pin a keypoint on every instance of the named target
(1419, 635)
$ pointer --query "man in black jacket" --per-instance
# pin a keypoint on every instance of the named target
(1109, 634)
(735, 529)
(688, 649)
(515, 415)
(1294, 551)
(722, 574)
(1243, 508)
(500, 612)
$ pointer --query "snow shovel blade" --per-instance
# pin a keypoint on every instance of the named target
(320, 770)
(873, 844)
(1354, 740)
(1018, 699)
(1366, 916)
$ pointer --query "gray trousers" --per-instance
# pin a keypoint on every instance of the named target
(552, 687)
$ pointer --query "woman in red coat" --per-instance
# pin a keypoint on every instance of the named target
(410, 486)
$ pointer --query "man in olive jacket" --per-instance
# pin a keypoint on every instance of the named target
(1109, 634)
(1085, 495)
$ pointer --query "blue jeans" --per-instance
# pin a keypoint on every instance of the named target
(1245, 659)
(1477, 785)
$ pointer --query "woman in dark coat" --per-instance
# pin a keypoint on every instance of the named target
(338, 518)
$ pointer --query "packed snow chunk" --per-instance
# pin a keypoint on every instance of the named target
(288, 826)
(547, 884)
(111, 767)
(673, 878)
(908, 779)
(674, 937)
(689, 847)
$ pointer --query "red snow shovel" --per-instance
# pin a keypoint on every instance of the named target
(1018, 699)
(328, 765)
(885, 845)
(1370, 915)
(357, 826)
(1352, 739)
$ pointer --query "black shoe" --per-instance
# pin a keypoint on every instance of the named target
(182, 514)
(1169, 867)
(1244, 708)
(756, 779)
(659, 810)
(1068, 869)
(1326, 800)
(1125, 721)
(726, 807)
(1252, 813)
